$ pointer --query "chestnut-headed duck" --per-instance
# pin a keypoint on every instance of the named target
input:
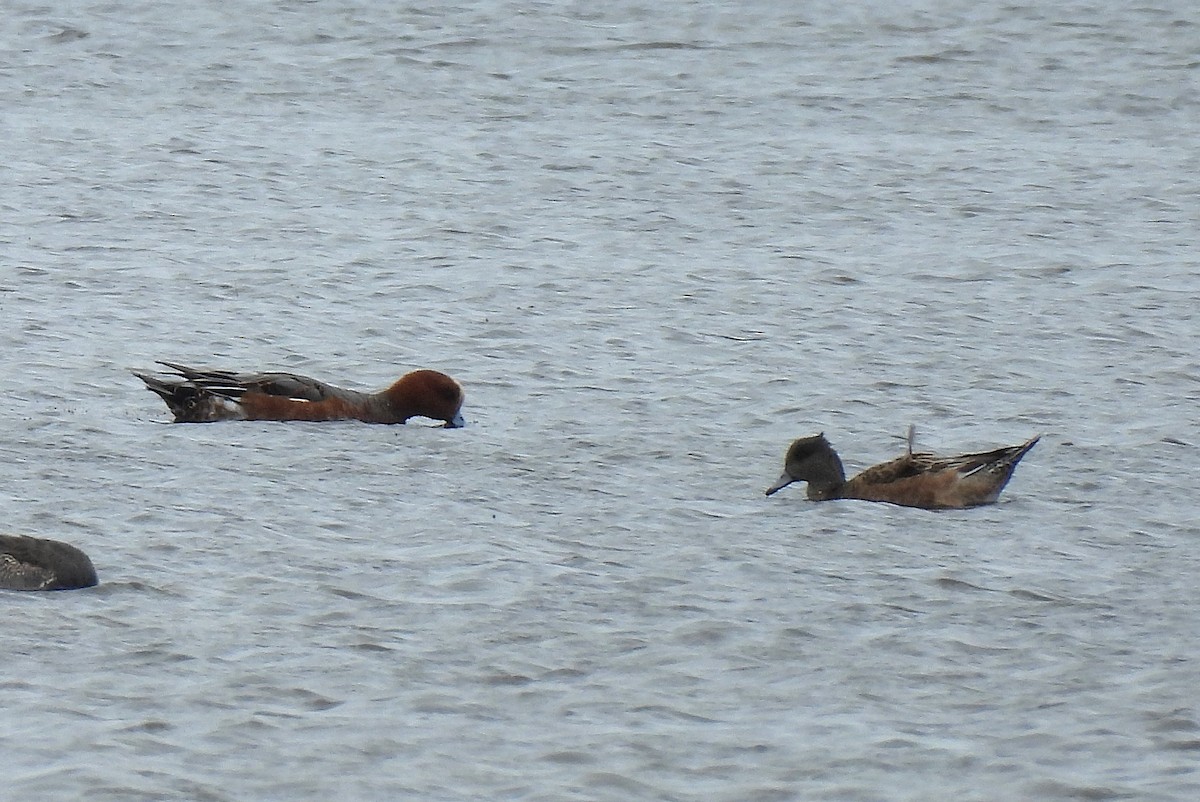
(202, 396)
(30, 563)
(912, 480)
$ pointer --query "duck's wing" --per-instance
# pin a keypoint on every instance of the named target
(886, 473)
(908, 465)
(915, 464)
(998, 460)
(234, 385)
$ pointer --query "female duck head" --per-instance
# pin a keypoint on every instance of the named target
(812, 460)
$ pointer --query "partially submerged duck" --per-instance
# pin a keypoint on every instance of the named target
(912, 480)
(31, 563)
(203, 396)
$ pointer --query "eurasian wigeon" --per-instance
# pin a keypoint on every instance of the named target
(202, 396)
(912, 480)
(30, 563)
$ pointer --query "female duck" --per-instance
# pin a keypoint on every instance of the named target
(912, 480)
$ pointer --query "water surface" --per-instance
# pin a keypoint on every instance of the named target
(655, 245)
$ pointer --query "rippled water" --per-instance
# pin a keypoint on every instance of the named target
(655, 243)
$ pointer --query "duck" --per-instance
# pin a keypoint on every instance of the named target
(922, 480)
(203, 396)
(31, 563)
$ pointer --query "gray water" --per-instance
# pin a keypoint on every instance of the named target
(655, 242)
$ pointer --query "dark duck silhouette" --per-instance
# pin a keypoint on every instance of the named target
(30, 563)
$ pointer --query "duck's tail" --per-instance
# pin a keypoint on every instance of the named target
(171, 392)
(1016, 452)
(190, 402)
(991, 471)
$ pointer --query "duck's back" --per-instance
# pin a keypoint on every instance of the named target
(907, 481)
(289, 385)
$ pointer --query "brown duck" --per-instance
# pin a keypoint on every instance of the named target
(912, 480)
